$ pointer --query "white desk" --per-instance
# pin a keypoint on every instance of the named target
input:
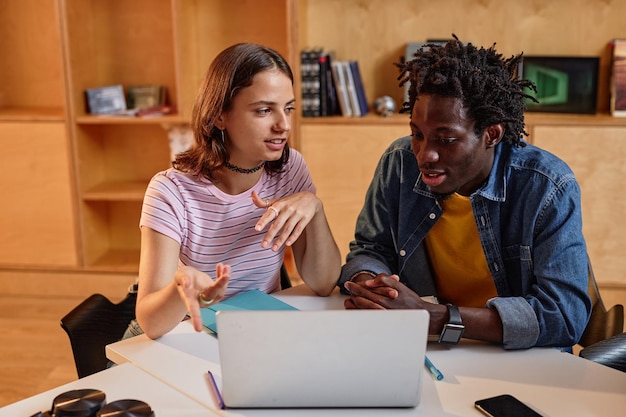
(120, 382)
(551, 382)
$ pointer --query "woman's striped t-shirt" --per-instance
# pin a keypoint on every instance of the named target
(212, 226)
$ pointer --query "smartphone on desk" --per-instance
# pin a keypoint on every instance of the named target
(505, 406)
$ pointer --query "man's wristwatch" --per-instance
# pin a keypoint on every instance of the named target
(453, 329)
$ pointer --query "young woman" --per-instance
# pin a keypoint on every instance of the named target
(218, 222)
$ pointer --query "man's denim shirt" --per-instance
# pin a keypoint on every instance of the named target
(529, 220)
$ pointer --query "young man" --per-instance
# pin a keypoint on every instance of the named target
(465, 210)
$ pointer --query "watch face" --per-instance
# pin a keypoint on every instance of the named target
(451, 334)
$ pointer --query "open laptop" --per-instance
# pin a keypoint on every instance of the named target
(323, 358)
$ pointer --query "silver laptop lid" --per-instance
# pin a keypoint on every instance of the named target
(329, 358)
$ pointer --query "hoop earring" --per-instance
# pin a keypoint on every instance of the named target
(222, 132)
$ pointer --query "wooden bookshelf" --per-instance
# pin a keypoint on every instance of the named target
(81, 200)
(342, 152)
(37, 215)
(165, 42)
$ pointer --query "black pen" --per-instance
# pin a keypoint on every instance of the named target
(216, 391)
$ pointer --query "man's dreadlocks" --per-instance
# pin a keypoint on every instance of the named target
(486, 83)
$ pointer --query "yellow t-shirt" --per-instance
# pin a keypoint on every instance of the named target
(457, 257)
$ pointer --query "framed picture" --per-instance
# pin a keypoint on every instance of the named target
(106, 100)
(564, 84)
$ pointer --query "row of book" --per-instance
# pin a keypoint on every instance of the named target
(331, 87)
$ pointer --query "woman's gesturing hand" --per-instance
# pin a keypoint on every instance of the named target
(198, 290)
(287, 216)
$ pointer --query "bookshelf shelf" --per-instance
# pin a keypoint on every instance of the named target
(368, 119)
(120, 120)
(117, 260)
(551, 119)
(49, 114)
(117, 191)
(531, 118)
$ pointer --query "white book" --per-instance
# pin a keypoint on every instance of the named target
(341, 88)
(353, 97)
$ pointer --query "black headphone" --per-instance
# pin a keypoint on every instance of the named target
(92, 403)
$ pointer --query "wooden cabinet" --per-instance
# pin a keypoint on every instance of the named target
(37, 215)
(37, 222)
(165, 42)
(77, 181)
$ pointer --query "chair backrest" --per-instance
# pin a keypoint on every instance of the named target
(285, 281)
(602, 324)
(97, 322)
(610, 352)
(92, 325)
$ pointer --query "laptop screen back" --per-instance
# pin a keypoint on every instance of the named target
(329, 358)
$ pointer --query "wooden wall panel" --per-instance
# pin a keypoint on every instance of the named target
(596, 155)
(342, 160)
(37, 222)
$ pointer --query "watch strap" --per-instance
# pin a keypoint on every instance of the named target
(455, 314)
(453, 329)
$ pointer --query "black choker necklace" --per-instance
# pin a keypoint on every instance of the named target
(244, 170)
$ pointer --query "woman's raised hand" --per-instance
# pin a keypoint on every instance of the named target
(198, 290)
(287, 217)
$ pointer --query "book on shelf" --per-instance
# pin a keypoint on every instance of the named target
(322, 62)
(316, 83)
(339, 80)
(145, 96)
(310, 78)
(328, 92)
(358, 86)
(354, 100)
(106, 100)
(305, 87)
(319, 97)
(618, 77)
(155, 111)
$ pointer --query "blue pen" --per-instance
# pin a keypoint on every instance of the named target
(216, 391)
(433, 369)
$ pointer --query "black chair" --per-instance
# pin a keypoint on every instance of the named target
(285, 281)
(603, 340)
(92, 325)
(97, 322)
(610, 352)
(603, 323)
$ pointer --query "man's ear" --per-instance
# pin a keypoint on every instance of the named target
(494, 134)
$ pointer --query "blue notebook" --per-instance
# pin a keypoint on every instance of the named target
(250, 300)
